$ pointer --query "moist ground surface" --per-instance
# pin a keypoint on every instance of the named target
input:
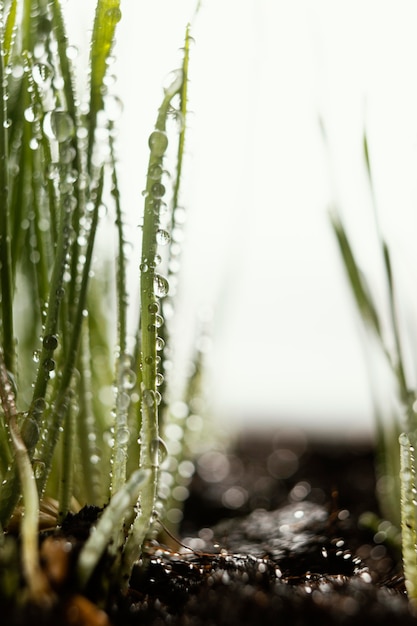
(273, 535)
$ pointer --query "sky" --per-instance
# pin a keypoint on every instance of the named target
(259, 254)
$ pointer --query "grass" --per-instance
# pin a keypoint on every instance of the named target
(82, 413)
(387, 336)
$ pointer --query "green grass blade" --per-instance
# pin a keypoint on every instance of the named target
(64, 392)
(9, 31)
(356, 279)
(123, 366)
(6, 286)
(107, 16)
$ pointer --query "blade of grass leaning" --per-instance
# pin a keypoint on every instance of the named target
(119, 505)
(38, 586)
(153, 287)
(397, 361)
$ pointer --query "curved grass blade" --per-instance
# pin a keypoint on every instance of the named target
(35, 578)
(120, 504)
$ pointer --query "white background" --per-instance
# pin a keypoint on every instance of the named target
(260, 180)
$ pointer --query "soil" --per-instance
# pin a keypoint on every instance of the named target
(273, 534)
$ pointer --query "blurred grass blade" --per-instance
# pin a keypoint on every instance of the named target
(9, 31)
(34, 575)
(356, 279)
(107, 16)
(112, 517)
(64, 392)
(5, 242)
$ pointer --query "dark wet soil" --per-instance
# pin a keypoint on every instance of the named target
(273, 535)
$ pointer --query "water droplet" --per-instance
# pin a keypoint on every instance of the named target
(123, 435)
(158, 190)
(30, 432)
(38, 468)
(153, 307)
(159, 320)
(49, 365)
(113, 107)
(155, 171)
(162, 237)
(160, 344)
(123, 401)
(158, 451)
(148, 360)
(114, 14)
(161, 286)
(29, 114)
(159, 380)
(42, 75)
(158, 143)
(71, 52)
(129, 379)
(173, 81)
(39, 405)
(148, 397)
(50, 342)
(58, 125)
(143, 267)
(36, 356)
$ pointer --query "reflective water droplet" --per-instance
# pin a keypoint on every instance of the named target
(162, 237)
(158, 451)
(155, 171)
(29, 114)
(173, 81)
(123, 435)
(58, 125)
(161, 286)
(42, 75)
(148, 360)
(114, 14)
(158, 190)
(50, 342)
(160, 344)
(113, 107)
(159, 380)
(129, 379)
(143, 267)
(49, 365)
(36, 356)
(123, 401)
(71, 52)
(158, 143)
(153, 307)
(159, 320)
(38, 468)
(30, 432)
(148, 397)
(39, 405)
